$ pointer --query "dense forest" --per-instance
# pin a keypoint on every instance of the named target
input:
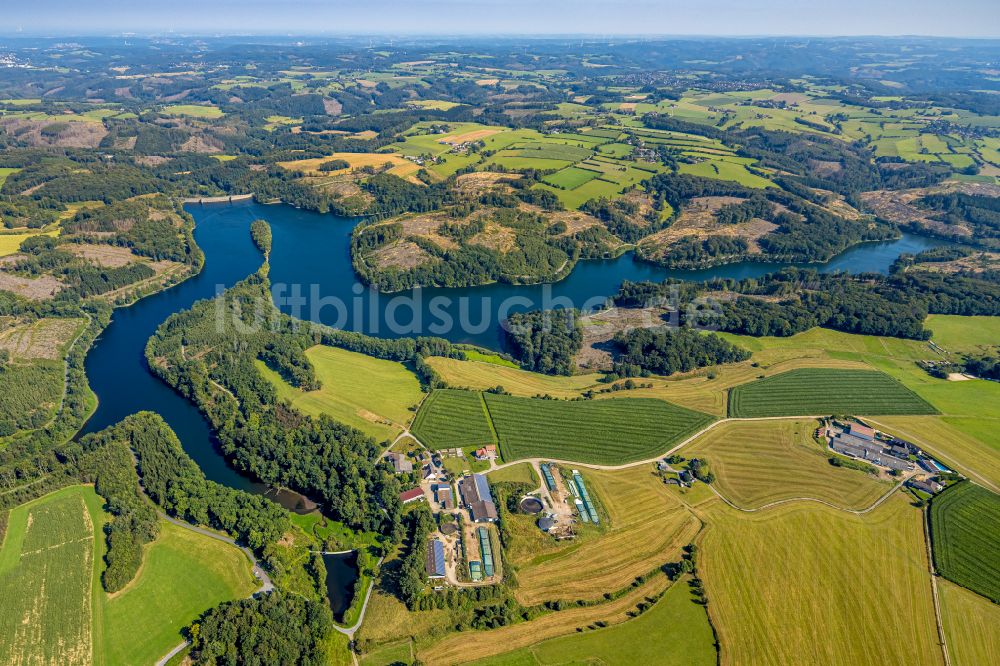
(260, 231)
(276, 628)
(545, 340)
(319, 457)
(792, 300)
(664, 351)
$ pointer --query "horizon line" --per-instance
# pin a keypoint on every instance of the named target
(55, 34)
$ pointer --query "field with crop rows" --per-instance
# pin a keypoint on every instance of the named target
(803, 583)
(590, 431)
(45, 582)
(965, 529)
(450, 418)
(818, 391)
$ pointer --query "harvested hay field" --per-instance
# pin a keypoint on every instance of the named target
(756, 463)
(479, 375)
(467, 137)
(974, 454)
(392, 163)
(971, 626)
(371, 394)
(807, 584)
(44, 338)
(674, 632)
(470, 646)
(46, 565)
(647, 527)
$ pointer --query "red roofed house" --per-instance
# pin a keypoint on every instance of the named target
(411, 495)
(487, 452)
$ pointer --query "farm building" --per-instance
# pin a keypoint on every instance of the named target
(400, 463)
(856, 447)
(929, 486)
(477, 498)
(488, 452)
(443, 496)
(546, 523)
(486, 550)
(588, 505)
(550, 482)
(411, 495)
(435, 559)
(861, 431)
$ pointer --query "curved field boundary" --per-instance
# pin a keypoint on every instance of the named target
(825, 391)
(965, 538)
(596, 431)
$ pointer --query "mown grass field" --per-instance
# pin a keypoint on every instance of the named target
(816, 391)
(11, 243)
(646, 527)
(590, 431)
(370, 394)
(759, 462)
(965, 532)
(493, 359)
(804, 583)
(481, 376)
(193, 110)
(398, 165)
(183, 575)
(519, 473)
(971, 626)
(451, 418)
(674, 632)
(50, 567)
(470, 646)
(46, 570)
(5, 172)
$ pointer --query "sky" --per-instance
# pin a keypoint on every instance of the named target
(953, 18)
